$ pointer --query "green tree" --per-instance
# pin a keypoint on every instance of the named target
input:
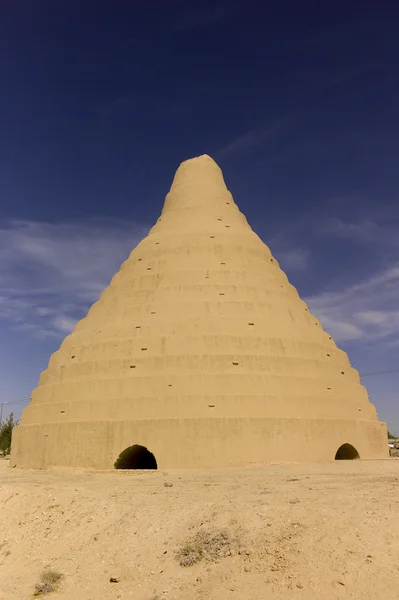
(6, 428)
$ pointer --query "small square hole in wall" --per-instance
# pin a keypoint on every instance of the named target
(227, 225)
(73, 356)
(132, 366)
(139, 259)
(251, 323)
(235, 363)
(212, 237)
(220, 219)
(329, 388)
(328, 354)
(143, 349)
(153, 312)
(222, 263)
(342, 372)
(157, 243)
(148, 268)
(138, 326)
(271, 260)
(221, 293)
(227, 202)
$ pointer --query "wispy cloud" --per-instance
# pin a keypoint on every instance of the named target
(366, 310)
(380, 229)
(254, 138)
(50, 273)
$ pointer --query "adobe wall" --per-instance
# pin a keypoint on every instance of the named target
(197, 443)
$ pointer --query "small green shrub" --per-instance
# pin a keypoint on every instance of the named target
(6, 428)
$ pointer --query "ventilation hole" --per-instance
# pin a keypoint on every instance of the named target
(153, 312)
(221, 294)
(227, 202)
(170, 385)
(251, 323)
(316, 323)
(227, 225)
(222, 263)
(211, 405)
(139, 259)
(328, 354)
(157, 243)
(148, 268)
(144, 349)
(132, 366)
(359, 409)
(271, 260)
(138, 326)
(235, 363)
(329, 388)
(329, 337)
(306, 309)
(342, 372)
(220, 219)
(281, 286)
(73, 356)
(62, 411)
(212, 237)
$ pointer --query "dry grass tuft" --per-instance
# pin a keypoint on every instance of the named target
(48, 582)
(207, 545)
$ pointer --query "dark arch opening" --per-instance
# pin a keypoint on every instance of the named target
(136, 457)
(346, 452)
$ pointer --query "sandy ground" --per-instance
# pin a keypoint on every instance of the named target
(268, 532)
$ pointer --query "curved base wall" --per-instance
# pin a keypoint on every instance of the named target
(195, 443)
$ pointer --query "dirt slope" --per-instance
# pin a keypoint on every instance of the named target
(273, 531)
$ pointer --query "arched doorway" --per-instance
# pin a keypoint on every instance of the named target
(346, 452)
(136, 457)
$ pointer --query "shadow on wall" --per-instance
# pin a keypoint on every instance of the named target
(346, 452)
(136, 457)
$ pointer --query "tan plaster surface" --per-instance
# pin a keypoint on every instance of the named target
(201, 350)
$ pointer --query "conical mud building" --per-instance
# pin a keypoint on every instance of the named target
(198, 354)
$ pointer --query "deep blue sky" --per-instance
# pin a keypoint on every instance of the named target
(298, 103)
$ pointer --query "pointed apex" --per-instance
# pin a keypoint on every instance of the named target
(200, 171)
(197, 182)
(202, 157)
(204, 164)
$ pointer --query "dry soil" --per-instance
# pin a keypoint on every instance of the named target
(273, 531)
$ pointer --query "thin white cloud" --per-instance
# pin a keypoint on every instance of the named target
(295, 259)
(365, 310)
(252, 139)
(50, 273)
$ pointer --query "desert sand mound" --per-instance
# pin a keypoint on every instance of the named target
(273, 531)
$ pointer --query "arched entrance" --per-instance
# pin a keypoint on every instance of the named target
(136, 457)
(346, 452)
